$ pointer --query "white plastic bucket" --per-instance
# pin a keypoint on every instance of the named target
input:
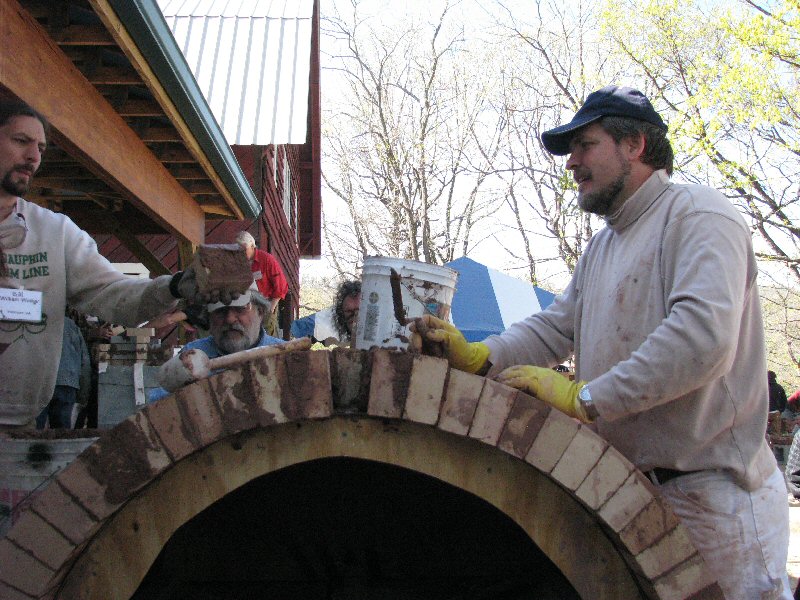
(425, 289)
(27, 465)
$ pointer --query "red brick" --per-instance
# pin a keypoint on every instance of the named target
(604, 479)
(58, 508)
(350, 376)
(37, 537)
(460, 400)
(166, 419)
(307, 392)
(651, 524)
(426, 389)
(22, 571)
(233, 391)
(627, 501)
(200, 416)
(686, 581)
(268, 377)
(391, 372)
(80, 480)
(8, 593)
(524, 422)
(662, 556)
(553, 439)
(494, 406)
(580, 457)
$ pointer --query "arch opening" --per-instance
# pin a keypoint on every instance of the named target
(351, 528)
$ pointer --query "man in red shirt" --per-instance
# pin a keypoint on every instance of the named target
(269, 278)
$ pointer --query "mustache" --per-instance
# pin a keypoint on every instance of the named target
(24, 167)
(234, 327)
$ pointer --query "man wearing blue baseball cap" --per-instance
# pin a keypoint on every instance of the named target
(663, 317)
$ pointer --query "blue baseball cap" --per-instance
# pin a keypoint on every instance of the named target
(610, 101)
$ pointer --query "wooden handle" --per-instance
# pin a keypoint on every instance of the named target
(229, 360)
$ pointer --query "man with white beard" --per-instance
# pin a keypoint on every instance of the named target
(233, 327)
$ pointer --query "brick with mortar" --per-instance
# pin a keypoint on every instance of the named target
(582, 454)
(554, 437)
(494, 406)
(687, 580)
(460, 400)
(653, 522)
(21, 570)
(636, 493)
(673, 548)
(36, 536)
(391, 372)
(426, 389)
(524, 422)
(604, 479)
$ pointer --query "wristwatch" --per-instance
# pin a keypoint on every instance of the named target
(585, 398)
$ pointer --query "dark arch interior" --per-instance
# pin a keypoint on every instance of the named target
(341, 529)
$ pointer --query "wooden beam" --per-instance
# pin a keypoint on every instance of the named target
(109, 18)
(87, 127)
(137, 248)
(113, 76)
(83, 35)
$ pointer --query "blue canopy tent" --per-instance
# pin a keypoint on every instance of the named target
(487, 301)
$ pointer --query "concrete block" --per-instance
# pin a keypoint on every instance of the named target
(553, 439)
(525, 421)
(426, 389)
(494, 406)
(391, 373)
(604, 479)
(460, 400)
(116, 395)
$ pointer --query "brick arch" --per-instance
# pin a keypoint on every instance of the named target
(94, 532)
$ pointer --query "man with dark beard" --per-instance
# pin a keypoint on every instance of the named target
(663, 316)
(46, 261)
(234, 327)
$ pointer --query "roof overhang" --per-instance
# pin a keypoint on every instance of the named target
(133, 144)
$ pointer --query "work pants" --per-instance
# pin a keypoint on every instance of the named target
(742, 536)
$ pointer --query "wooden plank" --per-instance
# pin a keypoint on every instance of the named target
(100, 138)
(83, 35)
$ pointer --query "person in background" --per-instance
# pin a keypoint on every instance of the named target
(45, 255)
(663, 316)
(73, 380)
(234, 327)
(777, 395)
(269, 277)
(345, 309)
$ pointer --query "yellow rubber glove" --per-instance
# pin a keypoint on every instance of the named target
(461, 354)
(549, 386)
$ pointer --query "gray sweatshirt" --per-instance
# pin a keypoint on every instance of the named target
(664, 319)
(62, 261)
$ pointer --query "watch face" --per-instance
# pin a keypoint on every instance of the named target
(584, 394)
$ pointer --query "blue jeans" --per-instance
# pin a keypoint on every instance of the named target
(59, 411)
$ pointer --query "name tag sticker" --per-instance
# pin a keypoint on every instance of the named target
(20, 305)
